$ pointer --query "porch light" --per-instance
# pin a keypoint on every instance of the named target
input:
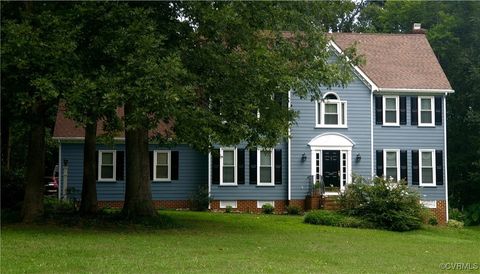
(358, 158)
(65, 162)
(304, 157)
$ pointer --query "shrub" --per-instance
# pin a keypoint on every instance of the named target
(385, 203)
(331, 218)
(293, 210)
(200, 199)
(228, 209)
(433, 220)
(12, 188)
(472, 214)
(455, 224)
(267, 209)
(455, 214)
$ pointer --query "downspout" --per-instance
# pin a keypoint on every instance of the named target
(445, 151)
(289, 154)
(372, 120)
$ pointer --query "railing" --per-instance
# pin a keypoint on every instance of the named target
(317, 187)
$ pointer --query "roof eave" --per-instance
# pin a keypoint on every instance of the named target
(415, 90)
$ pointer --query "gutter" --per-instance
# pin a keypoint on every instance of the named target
(415, 90)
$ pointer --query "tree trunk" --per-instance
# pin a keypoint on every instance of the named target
(35, 165)
(138, 193)
(88, 204)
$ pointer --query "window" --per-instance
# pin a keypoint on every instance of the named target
(161, 161)
(265, 170)
(228, 164)
(391, 111)
(260, 204)
(425, 113)
(331, 112)
(427, 164)
(224, 204)
(392, 164)
(107, 165)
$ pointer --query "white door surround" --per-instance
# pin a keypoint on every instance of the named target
(332, 141)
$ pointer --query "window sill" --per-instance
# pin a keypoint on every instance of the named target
(273, 185)
(106, 181)
(330, 126)
(227, 185)
(390, 125)
(431, 126)
(161, 181)
(428, 186)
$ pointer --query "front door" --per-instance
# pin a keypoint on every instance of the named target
(331, 170)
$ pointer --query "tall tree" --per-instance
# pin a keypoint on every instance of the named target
(37, 50)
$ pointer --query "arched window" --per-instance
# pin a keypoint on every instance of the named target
(331, 111)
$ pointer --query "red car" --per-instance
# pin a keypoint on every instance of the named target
(51, 183)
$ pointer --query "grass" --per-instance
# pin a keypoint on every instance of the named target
(235, 243)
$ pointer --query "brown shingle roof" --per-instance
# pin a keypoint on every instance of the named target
(67, 128)
(397, 60)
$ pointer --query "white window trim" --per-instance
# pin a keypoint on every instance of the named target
(397, 151)
(99, 168)
(432, 111)
(261, 203)
(320, 109)
(397, 109)
(224, 204)
(434, 165)
(235, 177)
(272, 168)
(169, 166)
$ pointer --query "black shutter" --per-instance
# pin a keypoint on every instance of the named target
(174, 166)
(215, 166)
(378, 110)
(415, 168)
(379, 163)
(253, 166)
(414, 107)
(120, 165)
(438, 110)
(439, 166)
(278, 166)
(150, 162)
(241, 166)
(403, 165)
(96, 165)
(403, 110)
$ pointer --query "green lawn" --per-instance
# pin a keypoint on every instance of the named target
(235, 243)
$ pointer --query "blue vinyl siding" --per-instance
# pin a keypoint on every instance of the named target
(193, 172)
(408, 137)
(249, 191)
(358, 98)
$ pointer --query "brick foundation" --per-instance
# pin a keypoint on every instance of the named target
(249, 206)
(440, 212)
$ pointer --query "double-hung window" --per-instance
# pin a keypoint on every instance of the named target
(107, 165)
(426, 110)
(162, 160)
(331, 111)
(265, 167)
(392, 164)
(427, 167)
(391, 113)
(228, 164)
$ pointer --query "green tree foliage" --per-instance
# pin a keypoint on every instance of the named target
(37, 47)
(452, 30)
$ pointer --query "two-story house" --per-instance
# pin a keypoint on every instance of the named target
(389, 121)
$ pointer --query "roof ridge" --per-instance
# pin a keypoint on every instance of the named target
(377, 33)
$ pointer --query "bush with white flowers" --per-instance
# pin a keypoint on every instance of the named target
(385, 203)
